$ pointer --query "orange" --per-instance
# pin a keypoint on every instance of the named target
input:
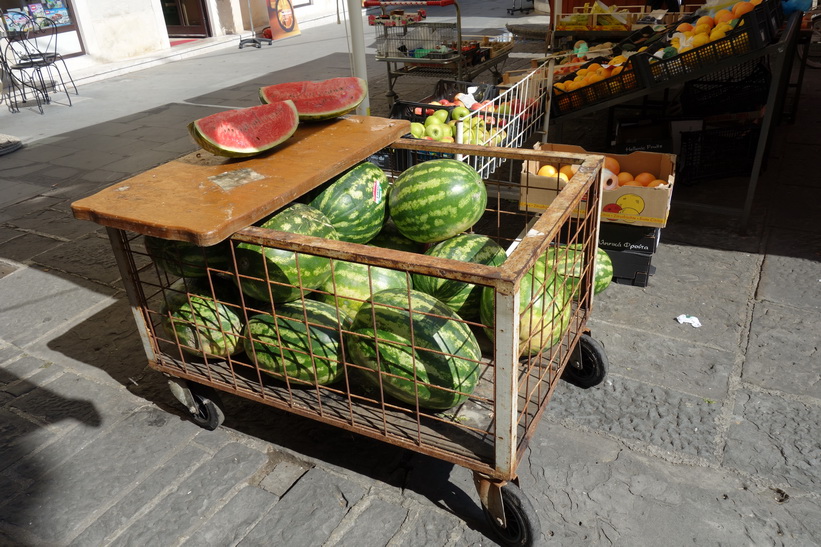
(612, 164)
(632, 183)
(593, 78)
(684, 27)
(645, 178)
(723, 15)
(618, 60)
(755, 2)
(593, 67)
(547, 170)
(570, 86)
(655, 183)
(616, 70)
(568, 170)
(702, 28)
(740, 8)
(624, 177)
(706, 20)
(604, 72)
(717, 35)
(700, 39)
(582, 72)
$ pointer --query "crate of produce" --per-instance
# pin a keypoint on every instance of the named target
(625, 76)
(417, 41)
(743, 87)
(704, 154)
(317, 311)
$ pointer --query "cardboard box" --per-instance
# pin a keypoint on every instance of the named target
(634, 205)
(631, 268)
(623, 237)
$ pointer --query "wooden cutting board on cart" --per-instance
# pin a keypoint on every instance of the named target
(203, 199)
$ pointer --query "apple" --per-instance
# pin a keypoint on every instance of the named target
(417, 129)
(460, 112)
(435, 131)
(448, 139)
(430, 120)
(504, 108)
(442, 115)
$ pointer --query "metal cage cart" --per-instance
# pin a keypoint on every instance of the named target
(411, 46)
(533, 331)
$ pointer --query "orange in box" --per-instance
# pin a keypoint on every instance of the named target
(634, 205)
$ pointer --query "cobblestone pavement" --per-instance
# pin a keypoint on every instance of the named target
(699, 436)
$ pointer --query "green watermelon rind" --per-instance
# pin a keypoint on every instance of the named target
(286, 281)
(565, 258)
(445, 357)
(437, 199)
(351, 284)
(307, 95)
(268, 113)
(462, 297)
(354, 202)
(185, 259)
(281, 347)
(391, 238)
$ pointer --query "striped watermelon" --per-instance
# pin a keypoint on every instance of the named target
(198, 323)
(461, 297)
(284, 346)
(444, 359)
(355, 202)
(543, 319)
(285, 270)
(351, 284)
(437, 199)
(391, 238)
(186, 259)
(569, 263)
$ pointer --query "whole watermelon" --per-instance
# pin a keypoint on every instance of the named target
(286, 270)
(437, 199)
(199, 324)
(444, 356)
(544, 308)
(352, 284)
(461, 297)
(391, 238)
(568, 261)
(355, 202)
(283, 345)
(185, 259)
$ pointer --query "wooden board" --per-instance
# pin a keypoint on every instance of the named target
(203, 199)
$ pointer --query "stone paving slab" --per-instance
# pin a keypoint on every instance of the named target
(791, 272)
(233, 521)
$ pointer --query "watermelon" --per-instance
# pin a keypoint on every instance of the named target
(543, 319)
(569, 263)
(391, 238)
(461, 297)
(437, 199)
(185, 259)
(285, 270)
(352, 284)
(354, 202)
(246, 132)
(444, 359)
(200, 324)
(282, 345)
(319, 100)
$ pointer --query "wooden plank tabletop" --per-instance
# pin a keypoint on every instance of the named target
(203, 199)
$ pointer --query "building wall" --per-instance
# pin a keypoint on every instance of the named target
(113, 31)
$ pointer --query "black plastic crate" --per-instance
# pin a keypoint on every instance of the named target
(741, 88)
(631, 268)
(623, 237)
(633, 77)
(717, 152)
(444, 89)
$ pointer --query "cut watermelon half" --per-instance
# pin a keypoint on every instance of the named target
(319, 100)
(246, 131)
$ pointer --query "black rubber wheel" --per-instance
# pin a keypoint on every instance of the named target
(523, 527)
(588, 365)
(209, 413)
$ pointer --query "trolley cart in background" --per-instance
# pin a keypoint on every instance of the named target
(411, 46)
(534, 334)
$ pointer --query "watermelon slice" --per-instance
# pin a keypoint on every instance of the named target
(246, 131)
(319, 100)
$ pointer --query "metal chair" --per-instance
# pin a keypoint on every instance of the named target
(18, 70)
(45, 41)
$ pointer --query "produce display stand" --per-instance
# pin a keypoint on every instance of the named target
(780, 54)
(488, 432)
(434, 50)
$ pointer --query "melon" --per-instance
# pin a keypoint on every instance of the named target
(319, 100)
(246, 131)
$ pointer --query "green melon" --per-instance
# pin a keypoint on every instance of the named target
(444, 356)
(286, 271)
(391, 238)
(568, 262)
(186, 259)
(351, 284)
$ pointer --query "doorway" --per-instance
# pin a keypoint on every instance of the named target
(185, 18)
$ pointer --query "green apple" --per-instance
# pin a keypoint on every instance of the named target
(417, 130)
(504, 108)
(447, 129)
(459, 113)
(442, 115)
(435, 131)
(431, 120)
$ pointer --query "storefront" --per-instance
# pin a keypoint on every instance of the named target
(59, 11)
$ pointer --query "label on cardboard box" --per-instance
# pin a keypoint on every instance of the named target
(634, 205)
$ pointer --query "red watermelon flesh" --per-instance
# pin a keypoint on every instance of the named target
(319, 100)
(246, 131)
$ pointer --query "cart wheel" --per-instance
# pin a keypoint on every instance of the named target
(523, 527)
(209, 414)
(588, 364)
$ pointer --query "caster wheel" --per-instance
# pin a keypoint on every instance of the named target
(523, 528)
(588, 364)
(207, 410)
